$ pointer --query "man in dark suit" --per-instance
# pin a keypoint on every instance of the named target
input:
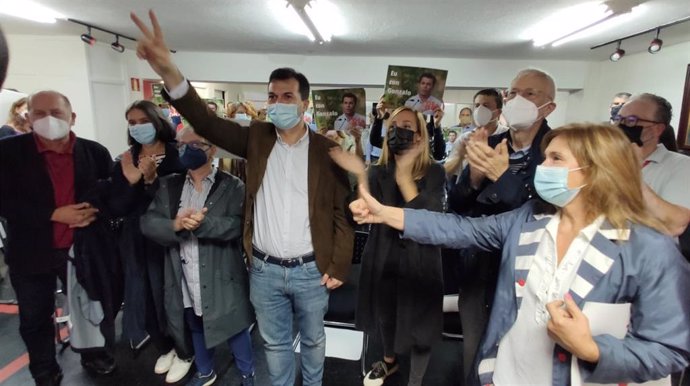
(296, 235)
(499, 177)
(44, 179)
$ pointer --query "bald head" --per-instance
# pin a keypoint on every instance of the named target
(50, 103)
(50, 94)
(538, 80)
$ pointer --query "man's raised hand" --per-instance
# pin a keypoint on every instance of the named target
(152, 48)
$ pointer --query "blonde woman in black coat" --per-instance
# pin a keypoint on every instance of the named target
(401, 288)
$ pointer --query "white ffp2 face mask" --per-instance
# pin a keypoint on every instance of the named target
(482, 115)
(521, 113)
(51, 128)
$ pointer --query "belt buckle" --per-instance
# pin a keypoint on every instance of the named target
(291, 262)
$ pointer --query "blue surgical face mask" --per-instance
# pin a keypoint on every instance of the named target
(551, 182)
(143, 133)
(166, 112)
(192, 158)
(284, 115)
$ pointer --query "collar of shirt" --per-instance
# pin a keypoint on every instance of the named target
(517, 152)
(657, 155)
(211, 177)
(588, 232)
(300, 143)
(68, 149)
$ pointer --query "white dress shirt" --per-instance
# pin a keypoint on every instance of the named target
(525, 353)
(281, 209)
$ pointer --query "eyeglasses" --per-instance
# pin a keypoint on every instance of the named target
(630, 120)
(194, 145)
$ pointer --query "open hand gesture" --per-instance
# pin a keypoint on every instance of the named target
(129, 171)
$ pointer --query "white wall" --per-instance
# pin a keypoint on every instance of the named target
(53, 63)
(662, 74)
(367, 71)
(109, 87)
(66, 64)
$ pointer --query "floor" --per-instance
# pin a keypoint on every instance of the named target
(136, 370)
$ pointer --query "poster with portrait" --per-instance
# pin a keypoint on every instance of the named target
(419, 88)
(339, 109)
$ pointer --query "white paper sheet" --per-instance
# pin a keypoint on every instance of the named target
(612, 319)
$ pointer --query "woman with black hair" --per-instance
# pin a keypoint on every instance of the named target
(152, 154)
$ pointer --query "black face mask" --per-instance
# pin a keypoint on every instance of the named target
(615, 110)
(634, 133)
(399, 140)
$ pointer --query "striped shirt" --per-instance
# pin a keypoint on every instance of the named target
(189, 249)
(525, 353)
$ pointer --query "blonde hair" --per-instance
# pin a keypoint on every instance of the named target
(612, 174)
(248, 107)
(424, 159)
(13, 117)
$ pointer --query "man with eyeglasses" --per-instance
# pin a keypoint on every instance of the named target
(666, 174)
(498, 178)
(197, 216)
(617, 103)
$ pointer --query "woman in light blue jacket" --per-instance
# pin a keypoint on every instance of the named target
(572, 269)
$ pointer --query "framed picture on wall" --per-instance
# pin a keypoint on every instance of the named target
(684, 124)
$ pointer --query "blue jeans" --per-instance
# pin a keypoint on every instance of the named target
(275, 292)
(240, 345)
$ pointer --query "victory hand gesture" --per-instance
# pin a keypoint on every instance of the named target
(152, 48)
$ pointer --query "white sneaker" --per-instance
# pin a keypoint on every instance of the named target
(179, 368)
(164, 362)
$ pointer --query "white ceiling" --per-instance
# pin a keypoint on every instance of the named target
(433, 28)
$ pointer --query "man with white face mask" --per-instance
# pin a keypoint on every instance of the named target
(498, 178)
(47, 184)
(296, 235)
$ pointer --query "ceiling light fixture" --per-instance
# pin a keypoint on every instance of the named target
(117, 46)
(618, 53)
(90, 40)
(87, 38)
(29, 10)
(319, 20)
(655, 45)
(573, 22)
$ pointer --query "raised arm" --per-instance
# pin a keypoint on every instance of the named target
(152, 47)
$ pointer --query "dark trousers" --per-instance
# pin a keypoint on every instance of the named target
(36, 300)
(479, 272)
(240, 344)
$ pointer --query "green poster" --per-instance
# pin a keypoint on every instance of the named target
(339, 109)
(416, 87)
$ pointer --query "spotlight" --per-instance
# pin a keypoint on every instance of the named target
(618, 53)
(87, 38)
(117, 46)
(655, 45)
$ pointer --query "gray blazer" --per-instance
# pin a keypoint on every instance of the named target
(636, 265)
(225, 286)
